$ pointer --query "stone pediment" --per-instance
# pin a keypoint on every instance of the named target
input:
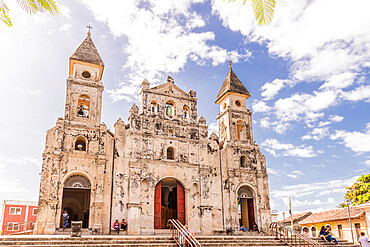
(170, 88)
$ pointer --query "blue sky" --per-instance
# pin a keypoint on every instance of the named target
(308, 73)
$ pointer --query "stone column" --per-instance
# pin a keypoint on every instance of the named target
(134, 205)
(50, 222)
(99, 203)
(133, 220)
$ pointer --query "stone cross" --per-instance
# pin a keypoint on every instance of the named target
(230, 64)
(89, 27)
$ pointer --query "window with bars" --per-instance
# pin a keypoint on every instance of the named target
(12, 227)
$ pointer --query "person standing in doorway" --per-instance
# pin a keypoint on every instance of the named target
(65, 219)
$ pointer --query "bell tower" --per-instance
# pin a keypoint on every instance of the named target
(234, 119)
(84, 86)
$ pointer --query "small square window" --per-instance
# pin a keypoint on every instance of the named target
(34, 211)
(15, 211)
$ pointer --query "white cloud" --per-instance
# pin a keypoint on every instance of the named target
(313, 188)
(360, 93)
(339, 81)
(166, 41)
(272, 88)
(22, 160)
(336, 118)
(316, 134)
(278, 126)
(295, 174)
(276, 148)
(367, 162)
(260, 106)
(213, 127)
(356, 141)
(271, 171)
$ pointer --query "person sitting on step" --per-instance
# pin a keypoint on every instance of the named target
(255, 227)
(243, 229)
(116, 226)
(323, 233)
(123, 225)
(330, 236)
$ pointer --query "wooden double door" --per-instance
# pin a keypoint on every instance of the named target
(168, 204)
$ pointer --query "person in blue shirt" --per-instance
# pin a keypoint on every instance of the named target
(65, 219)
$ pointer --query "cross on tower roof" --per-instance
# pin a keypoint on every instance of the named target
(230, 64)
(89, 27)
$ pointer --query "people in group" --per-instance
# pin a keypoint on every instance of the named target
(123, 225)
(323, 233)
(65, 219)
(330, 237)
(364, 241)
(116, 226)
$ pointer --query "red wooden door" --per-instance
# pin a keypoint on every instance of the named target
(180, 203)
(250, 212)
(157, 205)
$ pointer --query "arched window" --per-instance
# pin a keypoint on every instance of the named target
(305, 231)
(313, 231)
(80, 144)
(224, 106)
(186, 112)
(83, 106)
(240, 130)
(154, 107)
(170, 153)
(243, 161)
(169, 108)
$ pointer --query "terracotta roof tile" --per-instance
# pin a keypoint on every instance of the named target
(296, 217)
(232, 84)
(335, 214)
(87, 52)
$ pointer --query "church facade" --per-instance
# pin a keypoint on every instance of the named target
(161, 164)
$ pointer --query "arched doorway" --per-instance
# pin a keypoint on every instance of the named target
(76, 199)
(246, 207)
(169, 202)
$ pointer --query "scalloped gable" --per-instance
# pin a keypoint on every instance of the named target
(170, 88)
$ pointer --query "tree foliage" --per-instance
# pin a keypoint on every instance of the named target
(359, 192)
(29, 6)
(263, 10)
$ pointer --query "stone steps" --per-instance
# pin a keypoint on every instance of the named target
(134, 241)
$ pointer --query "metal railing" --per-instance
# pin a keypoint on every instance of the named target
(181, 235)
(291, 237)
(17, 228)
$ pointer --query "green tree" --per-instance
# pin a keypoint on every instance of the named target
(29, 6)
(263, 10)
(359, 192)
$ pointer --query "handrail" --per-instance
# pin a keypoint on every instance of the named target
(21, 228)
(181, 235)
(291, 237)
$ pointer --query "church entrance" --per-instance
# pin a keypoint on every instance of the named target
(246, 207)
(169, 202)
(76, 200)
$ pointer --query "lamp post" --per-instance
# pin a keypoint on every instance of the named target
(347, 202)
